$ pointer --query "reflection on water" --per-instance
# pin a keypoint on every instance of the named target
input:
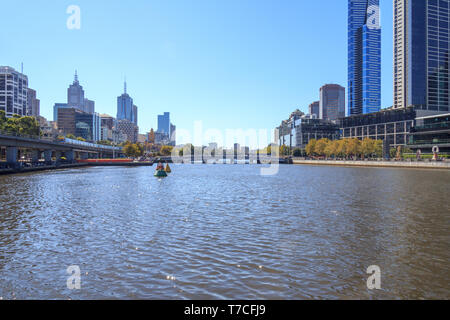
(225, 232)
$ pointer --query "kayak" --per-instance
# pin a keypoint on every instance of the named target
(160, 174)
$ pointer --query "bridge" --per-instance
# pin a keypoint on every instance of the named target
(14, 147)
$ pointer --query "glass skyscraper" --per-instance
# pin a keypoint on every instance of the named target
(364, 57)
(126, 110)
(421, 54)
(164, 123)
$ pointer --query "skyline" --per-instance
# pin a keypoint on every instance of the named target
(211, 59)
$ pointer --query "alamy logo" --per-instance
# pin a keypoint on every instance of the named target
(374, 281)
(373, 17)
(74, 20)
(74, 281)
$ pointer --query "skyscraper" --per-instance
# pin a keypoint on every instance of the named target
(164, 123)
(126, 110)
(75, 95)
(33, 104)
(13, 92)
(364, 56)
(421, 54)
(314, 108)
(332, 102)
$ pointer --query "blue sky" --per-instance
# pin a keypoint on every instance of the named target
(233, 64)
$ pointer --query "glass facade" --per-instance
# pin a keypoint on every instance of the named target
(364, 56)
(438, 54)
(164, 123)
(126, 110)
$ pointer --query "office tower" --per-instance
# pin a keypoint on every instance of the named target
(56, 107)
(364, 57)
(173, 138)
(33, 104)
(13, 92)
(314, 109)
(421, 54)
(89, 106)
(75, 95)
(164, 123)
(107, 121)
(129, 129)
(332, 102)
(126, 110)
(80, 124)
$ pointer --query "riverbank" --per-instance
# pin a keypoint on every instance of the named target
(42, 168)
(379, 164)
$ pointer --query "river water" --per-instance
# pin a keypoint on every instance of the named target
(225, 232)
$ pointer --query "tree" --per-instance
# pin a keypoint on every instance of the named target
(81, 139)
(284, 150)
(320, 146)
(71, 136)
(367, 147)
(297, 152)
(166, 150)
(311, 147)
(341, 150)
(353, 147)
(331, 150)
(133, 150)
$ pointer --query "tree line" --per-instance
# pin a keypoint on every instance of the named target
(345, 148)
(19, 125)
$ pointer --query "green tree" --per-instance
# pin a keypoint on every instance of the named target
(331, 150)
(284, 150)
(71, 136)
(81, 139)
(353, 147)
(297, 152)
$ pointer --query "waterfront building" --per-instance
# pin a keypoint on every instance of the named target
(126, 110)
(13, 92)
(33, 104)
(431, 131)
(66, 120)
(314, 109)
(421, 54)
(390, 125)
(364, 56)
(298, 130)
(162, 138)
(332, 102)
(129, 129)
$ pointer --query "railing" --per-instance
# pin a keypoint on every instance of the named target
(433, 141)
(63, 141)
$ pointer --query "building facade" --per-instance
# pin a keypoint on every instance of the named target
(314, 109)
(33, 104)
(421, 54)
(332, 102)
(126, 110)
(429, 132)
(164, 123)
(392, 125)
(129, 129)
(80, 124)
(364, 56)
(299, 129)
(13, 92)
(56, 107)
(75, 95)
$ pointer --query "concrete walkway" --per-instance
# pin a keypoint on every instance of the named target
(386, 164)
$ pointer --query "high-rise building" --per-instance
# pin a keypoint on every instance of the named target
(89, 106)
(33, 104)
(314, 109)
(164, 123)
(13, 92)
(79, 123)
(75, 95)
(332, 102)
(421, 54)
(129, 129)
(364, 56)
(56, 107)
(126, 110)
(107, 121)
